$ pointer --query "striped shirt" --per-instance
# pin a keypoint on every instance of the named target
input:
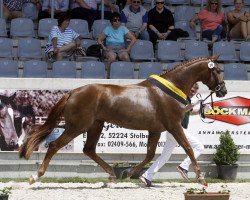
(63, 38)
(14, 5)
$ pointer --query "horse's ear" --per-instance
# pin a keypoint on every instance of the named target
(215, 57)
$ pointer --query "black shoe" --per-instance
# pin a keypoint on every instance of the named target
(51, 56)
(183, 172)
(147, 182)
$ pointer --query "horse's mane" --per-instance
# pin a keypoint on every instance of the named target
(185, 63)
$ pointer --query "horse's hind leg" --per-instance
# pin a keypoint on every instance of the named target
(54, 146)
(93, 135)
(153, 139)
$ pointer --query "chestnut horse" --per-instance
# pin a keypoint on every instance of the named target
(141, 106)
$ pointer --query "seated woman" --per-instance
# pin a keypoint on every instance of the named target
(239, 21)
(212, 19)
(115, 39)
(63, 40)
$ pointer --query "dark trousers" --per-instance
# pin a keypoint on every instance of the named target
(153, 37)
(89, 15)
(45, 14)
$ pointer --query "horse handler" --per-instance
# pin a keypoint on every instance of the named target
(171, 143)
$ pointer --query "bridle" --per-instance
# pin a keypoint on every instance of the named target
(217, 88)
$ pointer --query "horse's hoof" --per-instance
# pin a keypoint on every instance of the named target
(112, 178)
(202, 181)
(33, 179)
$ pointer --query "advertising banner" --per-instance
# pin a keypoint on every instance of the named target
(28, 107)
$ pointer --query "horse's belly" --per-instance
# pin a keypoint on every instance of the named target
(136, 121)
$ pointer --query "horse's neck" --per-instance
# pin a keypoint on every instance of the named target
(184, 77)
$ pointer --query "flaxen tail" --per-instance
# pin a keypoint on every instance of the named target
(38, 133)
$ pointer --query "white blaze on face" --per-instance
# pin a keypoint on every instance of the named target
(22, 136)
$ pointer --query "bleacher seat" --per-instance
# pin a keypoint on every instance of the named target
(44, 27)
(235, 71)
(3, 30)
(244, 51)
(172, 65)
(226, 50)
(195, 49)
(247, 3)
(142, 50)
(184, 13)
(227, 2)
(22, 27)
(80, 26)
(29, 48)
(35, 69)
(98, 26)
(6, 48)
(148, 68)
(85, 43)
(122, 70)
(184, 25)
(177, 2)
(199, 3)
(64, 69)
(93, 69)
(8, 68)
(30, 11)
(169, 50)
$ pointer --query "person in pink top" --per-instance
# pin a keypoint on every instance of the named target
(212, 19)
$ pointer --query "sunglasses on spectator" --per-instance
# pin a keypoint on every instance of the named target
(214, 3)
(136, 2)
(159, 2)
(116, 20)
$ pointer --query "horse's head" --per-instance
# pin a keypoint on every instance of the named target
(214, 79)
(8, 135)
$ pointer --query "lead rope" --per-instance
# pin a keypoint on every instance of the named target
(201, 111)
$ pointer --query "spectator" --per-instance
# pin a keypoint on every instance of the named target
(239, 21)
(59, 7)
(114, 37)
(88, 10)
(135, 18)
(160, 23)
(212, 20)
(13, 8)
(63, 40)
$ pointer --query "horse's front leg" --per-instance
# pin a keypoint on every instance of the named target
(153, 139)
(93, 135)
(180, 137)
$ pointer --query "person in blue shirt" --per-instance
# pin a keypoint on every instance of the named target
(135, 18)
(115, 41)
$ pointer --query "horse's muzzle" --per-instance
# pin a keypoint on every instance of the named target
(222, 92)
